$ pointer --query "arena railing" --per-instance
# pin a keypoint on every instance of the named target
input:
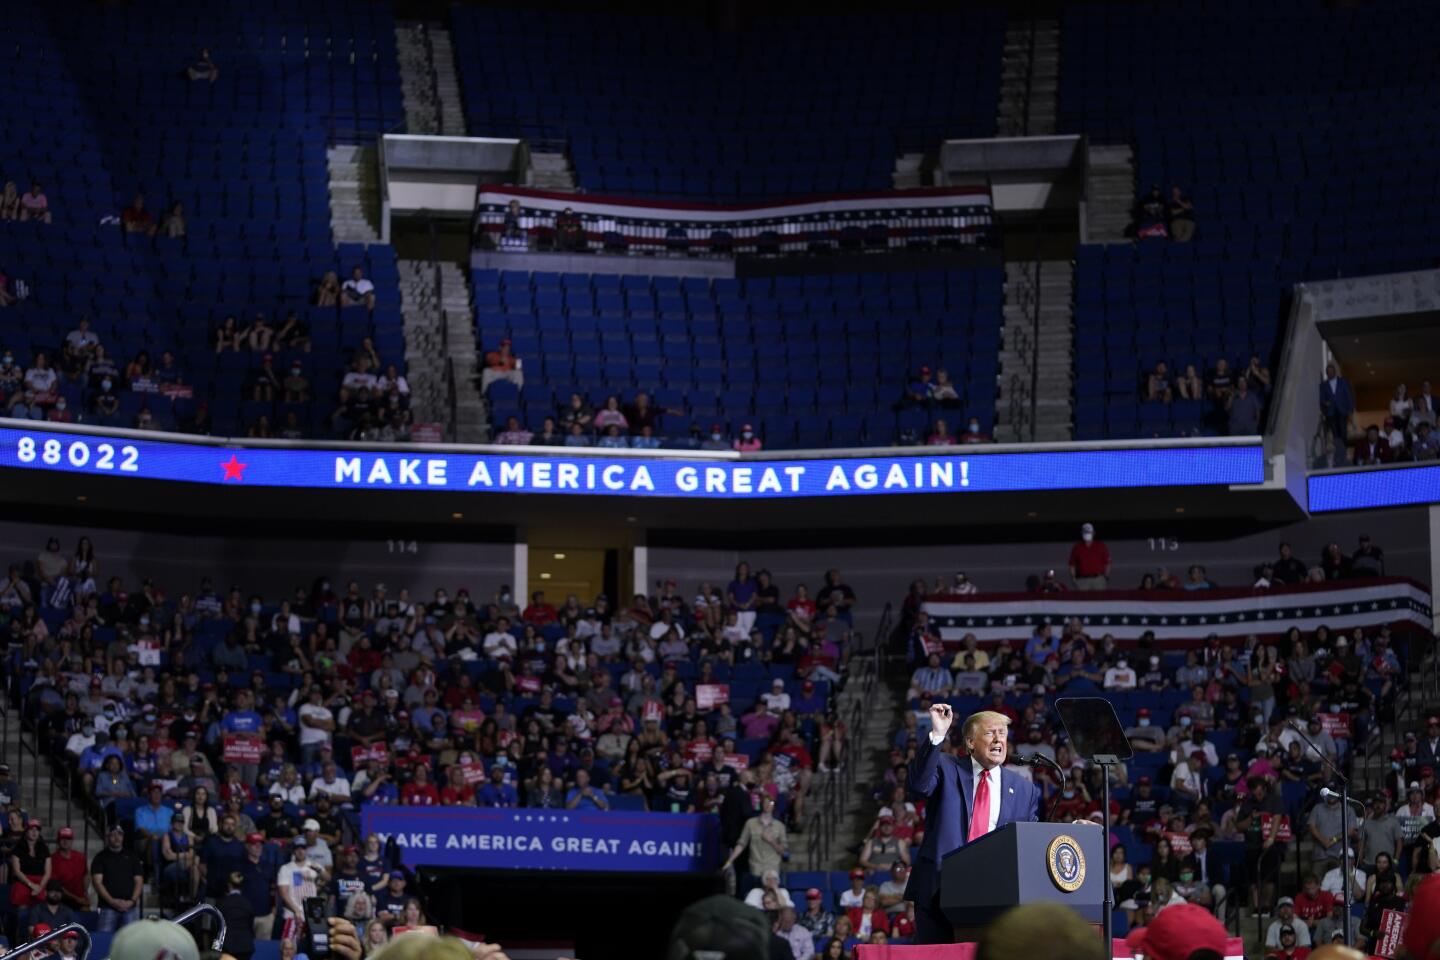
(944, 217)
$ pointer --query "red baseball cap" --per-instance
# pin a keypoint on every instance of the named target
(1423, 931)
(1143, 712)
(1178, 931)
(254, 838)
(66, 834)
(41, 929)
(32, 823)
(857, 874)
(812, 894)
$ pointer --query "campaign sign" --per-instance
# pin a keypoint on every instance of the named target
(1392, 932)
(708, 696)
(593, 841)
(240, 748)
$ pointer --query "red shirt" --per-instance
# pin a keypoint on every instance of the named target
(69, 869)
(1089, 559)
(540, 614)
(879, 920)
(1310, 909)
(415, 795)
(462, 796)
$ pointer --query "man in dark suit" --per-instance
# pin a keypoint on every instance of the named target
(966, 799)
(1337, 406)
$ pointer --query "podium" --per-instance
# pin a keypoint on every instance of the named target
(1024, 863)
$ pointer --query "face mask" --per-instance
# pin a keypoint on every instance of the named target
(1087, 537)
(974, 426)
(325, 585)
(1186, 876)
(59, 404)
(9, 359)
(294, 371)
(104, 384)
(254, 608)
(747, 434)
(1121, 664)
(1334, 708)
(1184, 721)
(504, 598)
(714, 436)
(1069, 794)
(441, 599)
(1396, 765)
(1144, 721)
(144, 621)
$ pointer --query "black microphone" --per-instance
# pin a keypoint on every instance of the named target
(1036, 760)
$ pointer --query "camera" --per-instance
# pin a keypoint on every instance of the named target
(317, 928)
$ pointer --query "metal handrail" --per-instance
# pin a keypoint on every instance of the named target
(434, 79)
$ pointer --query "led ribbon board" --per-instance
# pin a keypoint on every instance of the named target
(671, 474)
(1373, 489)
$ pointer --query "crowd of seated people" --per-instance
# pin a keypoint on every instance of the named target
(82, 382)
(225, 730)
(1222, 786)
(1406, 434)
(1231, 403)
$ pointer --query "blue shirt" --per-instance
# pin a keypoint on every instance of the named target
(1037, 648)
(584, 801)
(503, 795)
(241, 721)
(153, 820)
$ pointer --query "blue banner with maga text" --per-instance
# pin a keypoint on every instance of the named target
(522, 839)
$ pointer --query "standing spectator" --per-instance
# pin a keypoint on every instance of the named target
(29, 867)
(1244, 408)
(742, 597)
(1369, 559)
(1401, 406)
(358, 290)
(501, 364)
(239, 914)
(1380, 832)
(35, 205)
(119, 882)
(1337, 407)
(296, 880)
(317, 726)
(1423, 406)
(764, 838)
(67, 868)
(1089, 561)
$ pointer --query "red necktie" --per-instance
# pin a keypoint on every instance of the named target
(980, 817)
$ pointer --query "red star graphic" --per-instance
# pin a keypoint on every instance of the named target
(234, 469)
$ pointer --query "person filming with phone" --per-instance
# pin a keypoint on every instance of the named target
(967, 797)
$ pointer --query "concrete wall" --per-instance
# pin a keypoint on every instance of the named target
(273, 565)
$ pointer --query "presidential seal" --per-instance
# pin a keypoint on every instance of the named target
(1066, 863)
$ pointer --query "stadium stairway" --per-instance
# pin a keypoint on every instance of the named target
(417, 79)
(1030, 78)
(869, 758)
(447, 81)
(1109, 193)
(550, 170)
(439, 333)
(36, 792)
(1035, 353)
(354, 193)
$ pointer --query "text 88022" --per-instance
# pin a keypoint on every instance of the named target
(79, 454)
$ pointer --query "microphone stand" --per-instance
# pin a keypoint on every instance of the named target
(1346, 879)
(1037, 760)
